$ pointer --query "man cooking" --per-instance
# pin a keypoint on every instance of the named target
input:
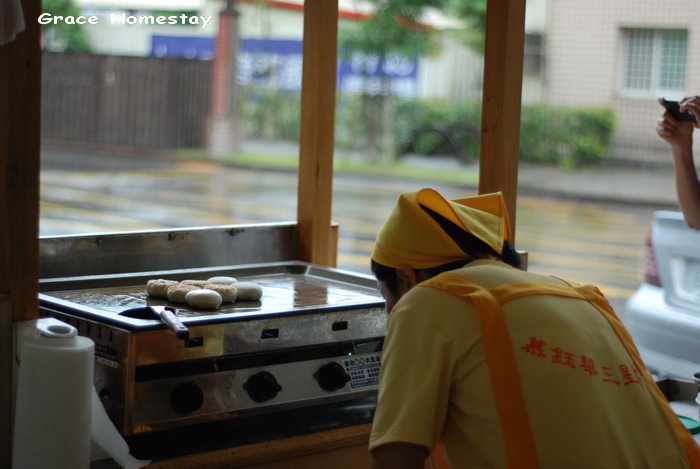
(488, 366)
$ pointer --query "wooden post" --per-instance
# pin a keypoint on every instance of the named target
(500, 118)
(224, 124)
(20, 115)
(316, 139)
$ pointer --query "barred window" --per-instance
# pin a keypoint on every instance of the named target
(533, 62)
(655, 61)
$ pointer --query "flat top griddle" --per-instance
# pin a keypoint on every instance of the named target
(288, 288)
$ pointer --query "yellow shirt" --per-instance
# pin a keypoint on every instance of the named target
(586, 402)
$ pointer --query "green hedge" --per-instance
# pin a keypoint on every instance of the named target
(422, 127)
(272, 114)
(567, 137)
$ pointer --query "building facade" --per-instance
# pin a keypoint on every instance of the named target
(623, 54)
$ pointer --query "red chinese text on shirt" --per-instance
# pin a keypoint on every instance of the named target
(621, 374)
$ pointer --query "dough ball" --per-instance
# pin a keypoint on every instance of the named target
(178, 292)
(228, 292)
(196, 283)
(249, 291)
(205, 299)
(222, 280)
(158, 288)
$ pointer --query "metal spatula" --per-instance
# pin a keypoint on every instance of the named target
(167, 314)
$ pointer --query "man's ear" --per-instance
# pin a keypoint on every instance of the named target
(407, 276)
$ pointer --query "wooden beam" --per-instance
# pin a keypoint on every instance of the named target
(316, 139)
(20, 116)
(500, 118)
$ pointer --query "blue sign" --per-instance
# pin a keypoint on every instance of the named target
(277, 64)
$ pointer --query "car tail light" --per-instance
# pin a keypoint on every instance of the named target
(651, 273)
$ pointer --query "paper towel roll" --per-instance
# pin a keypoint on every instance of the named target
(106, 438)
(54, 399)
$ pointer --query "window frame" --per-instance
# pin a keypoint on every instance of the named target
(655, 89)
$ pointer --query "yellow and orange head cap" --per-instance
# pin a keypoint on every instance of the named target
(412, 237)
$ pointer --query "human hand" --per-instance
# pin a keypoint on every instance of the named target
(673, 131)
(691, 104)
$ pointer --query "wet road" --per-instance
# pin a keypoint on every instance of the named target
(585, 242)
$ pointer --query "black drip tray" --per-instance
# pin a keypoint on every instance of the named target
(243, 431)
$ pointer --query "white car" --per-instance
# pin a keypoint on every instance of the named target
(663, 315)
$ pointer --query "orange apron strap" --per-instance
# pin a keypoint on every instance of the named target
(503, 370)
(690, 446)
(437, 458)
(511, 291)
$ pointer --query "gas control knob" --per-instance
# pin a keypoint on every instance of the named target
(262, 386)
(187, 397)
(332, 376)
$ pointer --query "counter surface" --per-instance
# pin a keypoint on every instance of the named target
(352, 440)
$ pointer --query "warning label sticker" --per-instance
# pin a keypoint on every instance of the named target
(107, 356)
(363, 370)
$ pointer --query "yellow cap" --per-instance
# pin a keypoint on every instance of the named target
(414, 238)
